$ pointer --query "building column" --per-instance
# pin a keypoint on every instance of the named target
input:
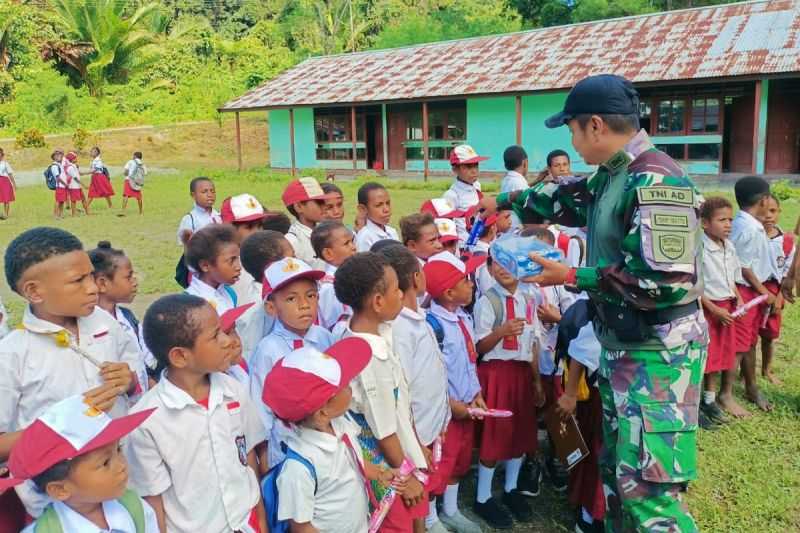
(291, 139)
(238, 142)
(518, 113)
(760, 126)
(385, 134)
(425, 139)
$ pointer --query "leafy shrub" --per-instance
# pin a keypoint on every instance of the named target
(6, 86)
(31, 138)
(784, 190)
(80, 139)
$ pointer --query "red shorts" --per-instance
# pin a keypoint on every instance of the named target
(400, 519)
(722, 346)
(748, 325)
(456, 453)
(76, 195)
(128, 192)
(772, 329)
(6, 190)
(508, 385)
(62, 195)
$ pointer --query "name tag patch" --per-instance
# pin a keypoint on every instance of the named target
(665, 195)
(668, 237)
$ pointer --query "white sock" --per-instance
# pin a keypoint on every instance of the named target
(587, 516)
(450, 500)
(485, 475)
(433, 516)
(513, 467)
(709, 396)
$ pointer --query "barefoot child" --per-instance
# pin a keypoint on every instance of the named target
(213, 254)
(333, 243)
(74, 185)
(7, 185)
(721, 297)
(100, 186)
(135, 172)
(375, 206)
(56, 171)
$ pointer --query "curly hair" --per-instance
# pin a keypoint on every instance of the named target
(359, 277)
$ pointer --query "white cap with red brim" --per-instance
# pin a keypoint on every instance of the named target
(280, 273)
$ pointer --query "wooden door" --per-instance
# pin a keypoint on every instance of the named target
(396, 140)
(783, 133)
(741, 139)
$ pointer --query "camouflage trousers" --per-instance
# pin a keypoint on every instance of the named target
(650, 408)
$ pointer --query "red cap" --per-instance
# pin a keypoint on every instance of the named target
(228, 319)
(241, 208)
(280, 273)
(302, 382)
(491, 219)
(441, 208)
(72, 156)
(302, 190)
(444, 270)
(68, 429)
(464, 154)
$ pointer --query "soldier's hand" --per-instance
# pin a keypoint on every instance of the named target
(513, 327)
(553, 272)
(565, 406)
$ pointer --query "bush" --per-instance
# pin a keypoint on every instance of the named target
(6, 86)
(80, 139)
(31, 138)
(784, 190)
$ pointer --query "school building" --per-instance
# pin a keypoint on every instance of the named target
(720, 92)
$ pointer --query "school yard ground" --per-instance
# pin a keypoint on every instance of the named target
(749, 470)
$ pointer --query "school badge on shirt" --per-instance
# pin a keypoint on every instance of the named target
(241, 447)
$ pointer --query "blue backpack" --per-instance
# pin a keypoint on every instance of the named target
(269, 490)
(50, 178)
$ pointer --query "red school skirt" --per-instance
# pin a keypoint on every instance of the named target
(100, 187)
(6, 190)
(722, 345)
(748, 325)
(585, 484)
(129, 192)
(456, 453)
(508, 385)
(772, 329)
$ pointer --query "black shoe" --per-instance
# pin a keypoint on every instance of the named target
(519, 507)
(557, 474)
(714, 412)
(493, 514)
(705, 422)
(530, 479)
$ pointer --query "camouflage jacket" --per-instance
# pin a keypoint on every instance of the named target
(643, 244)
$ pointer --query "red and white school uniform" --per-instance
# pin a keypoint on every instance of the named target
(783, 248)
(73, 177)
(721, 268)
(100, 186)
(6, 189)
(128, 191)
(506, 379)
(463, 195)
(61, 192)
(331, 310)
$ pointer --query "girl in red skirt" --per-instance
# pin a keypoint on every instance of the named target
(720, 298)
(100, 186)
(7, 185)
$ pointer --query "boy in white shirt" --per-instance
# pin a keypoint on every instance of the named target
(333, 243)
(311, 390)
(74, 185)
(194, 459)
(291, 297)
(66, 345)
(72, 454)
(56, 170)
(203, 194)
(375, 207)
(134, 173)
(465, 192)
(305, 200)
(515, 160)
(420, 235)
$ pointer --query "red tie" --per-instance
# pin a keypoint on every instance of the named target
(297, 344)
(473, 355)
(510, 342)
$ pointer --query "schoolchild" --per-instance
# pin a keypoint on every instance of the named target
(448, 235)
(420, 235)
(203, 194)
(277, 221)
(334, 202)
(245, 214)
(465, 192)
(375, 206)
(100, 185)
(239, 368)
(74, 184)
(515, 159)
(194, 459)
(7, 185)
(305, 200)
(213, 254)
(56, 169)
(135, 172)
(333, 243)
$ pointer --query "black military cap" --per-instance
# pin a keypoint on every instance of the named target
(604, 94)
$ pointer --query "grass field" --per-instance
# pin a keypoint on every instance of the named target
(749, 470)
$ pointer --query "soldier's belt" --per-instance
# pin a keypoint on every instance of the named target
(635, 325)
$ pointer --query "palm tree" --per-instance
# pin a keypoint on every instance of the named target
(103, 44)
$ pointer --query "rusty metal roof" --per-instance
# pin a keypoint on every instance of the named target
(713, 42)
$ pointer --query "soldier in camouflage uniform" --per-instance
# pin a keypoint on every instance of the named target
(643, 277)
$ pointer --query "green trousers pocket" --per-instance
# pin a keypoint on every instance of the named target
(669, 442)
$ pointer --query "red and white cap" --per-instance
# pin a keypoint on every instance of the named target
(68, 429)
(464, 154)
(71, 156)
(491, 219)
(302, 190)
(447, 230)
(241, 208)
(444, 270)
(302, 382)
(228, 319)
(280, 273)
(443, 208)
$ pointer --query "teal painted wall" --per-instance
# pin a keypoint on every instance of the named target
(538, 140)
(491, 128)
(304, 145)
(761, 148)
(280, 155)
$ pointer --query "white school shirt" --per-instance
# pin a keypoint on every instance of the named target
(57, 169)
(35, 373)
(247, 289)
(381, 395)
(278, 344)
(331, 310)
(97, 165)
(752, 248)
(462, 374)
(783, 261)
(463, 195)
(299, 236)
(130, 166)
(4, 330)
(219, 298)
(423, 364)
(197, 219)
(196, 458)
(340, 503)
(118, 518)
(372, 233)
(485, 319)
(483, 278)
(135, 333)
(74, 176)
(513, 181)
(5, 169)
(560, 297)
(572, 257)
(721, 269)
(252, 327)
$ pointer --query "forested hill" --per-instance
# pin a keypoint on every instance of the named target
(68, 64)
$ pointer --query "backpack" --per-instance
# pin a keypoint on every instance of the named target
(270, 494)
(51, 179)
(562, 243)
(136, 176)
(438, 330)
(49, 522)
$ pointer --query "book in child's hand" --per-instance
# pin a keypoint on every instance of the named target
(567, 439)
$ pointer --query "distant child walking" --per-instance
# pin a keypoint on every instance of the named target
(100, 186)
(74, 185)
(7, 185)
(134, 173)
